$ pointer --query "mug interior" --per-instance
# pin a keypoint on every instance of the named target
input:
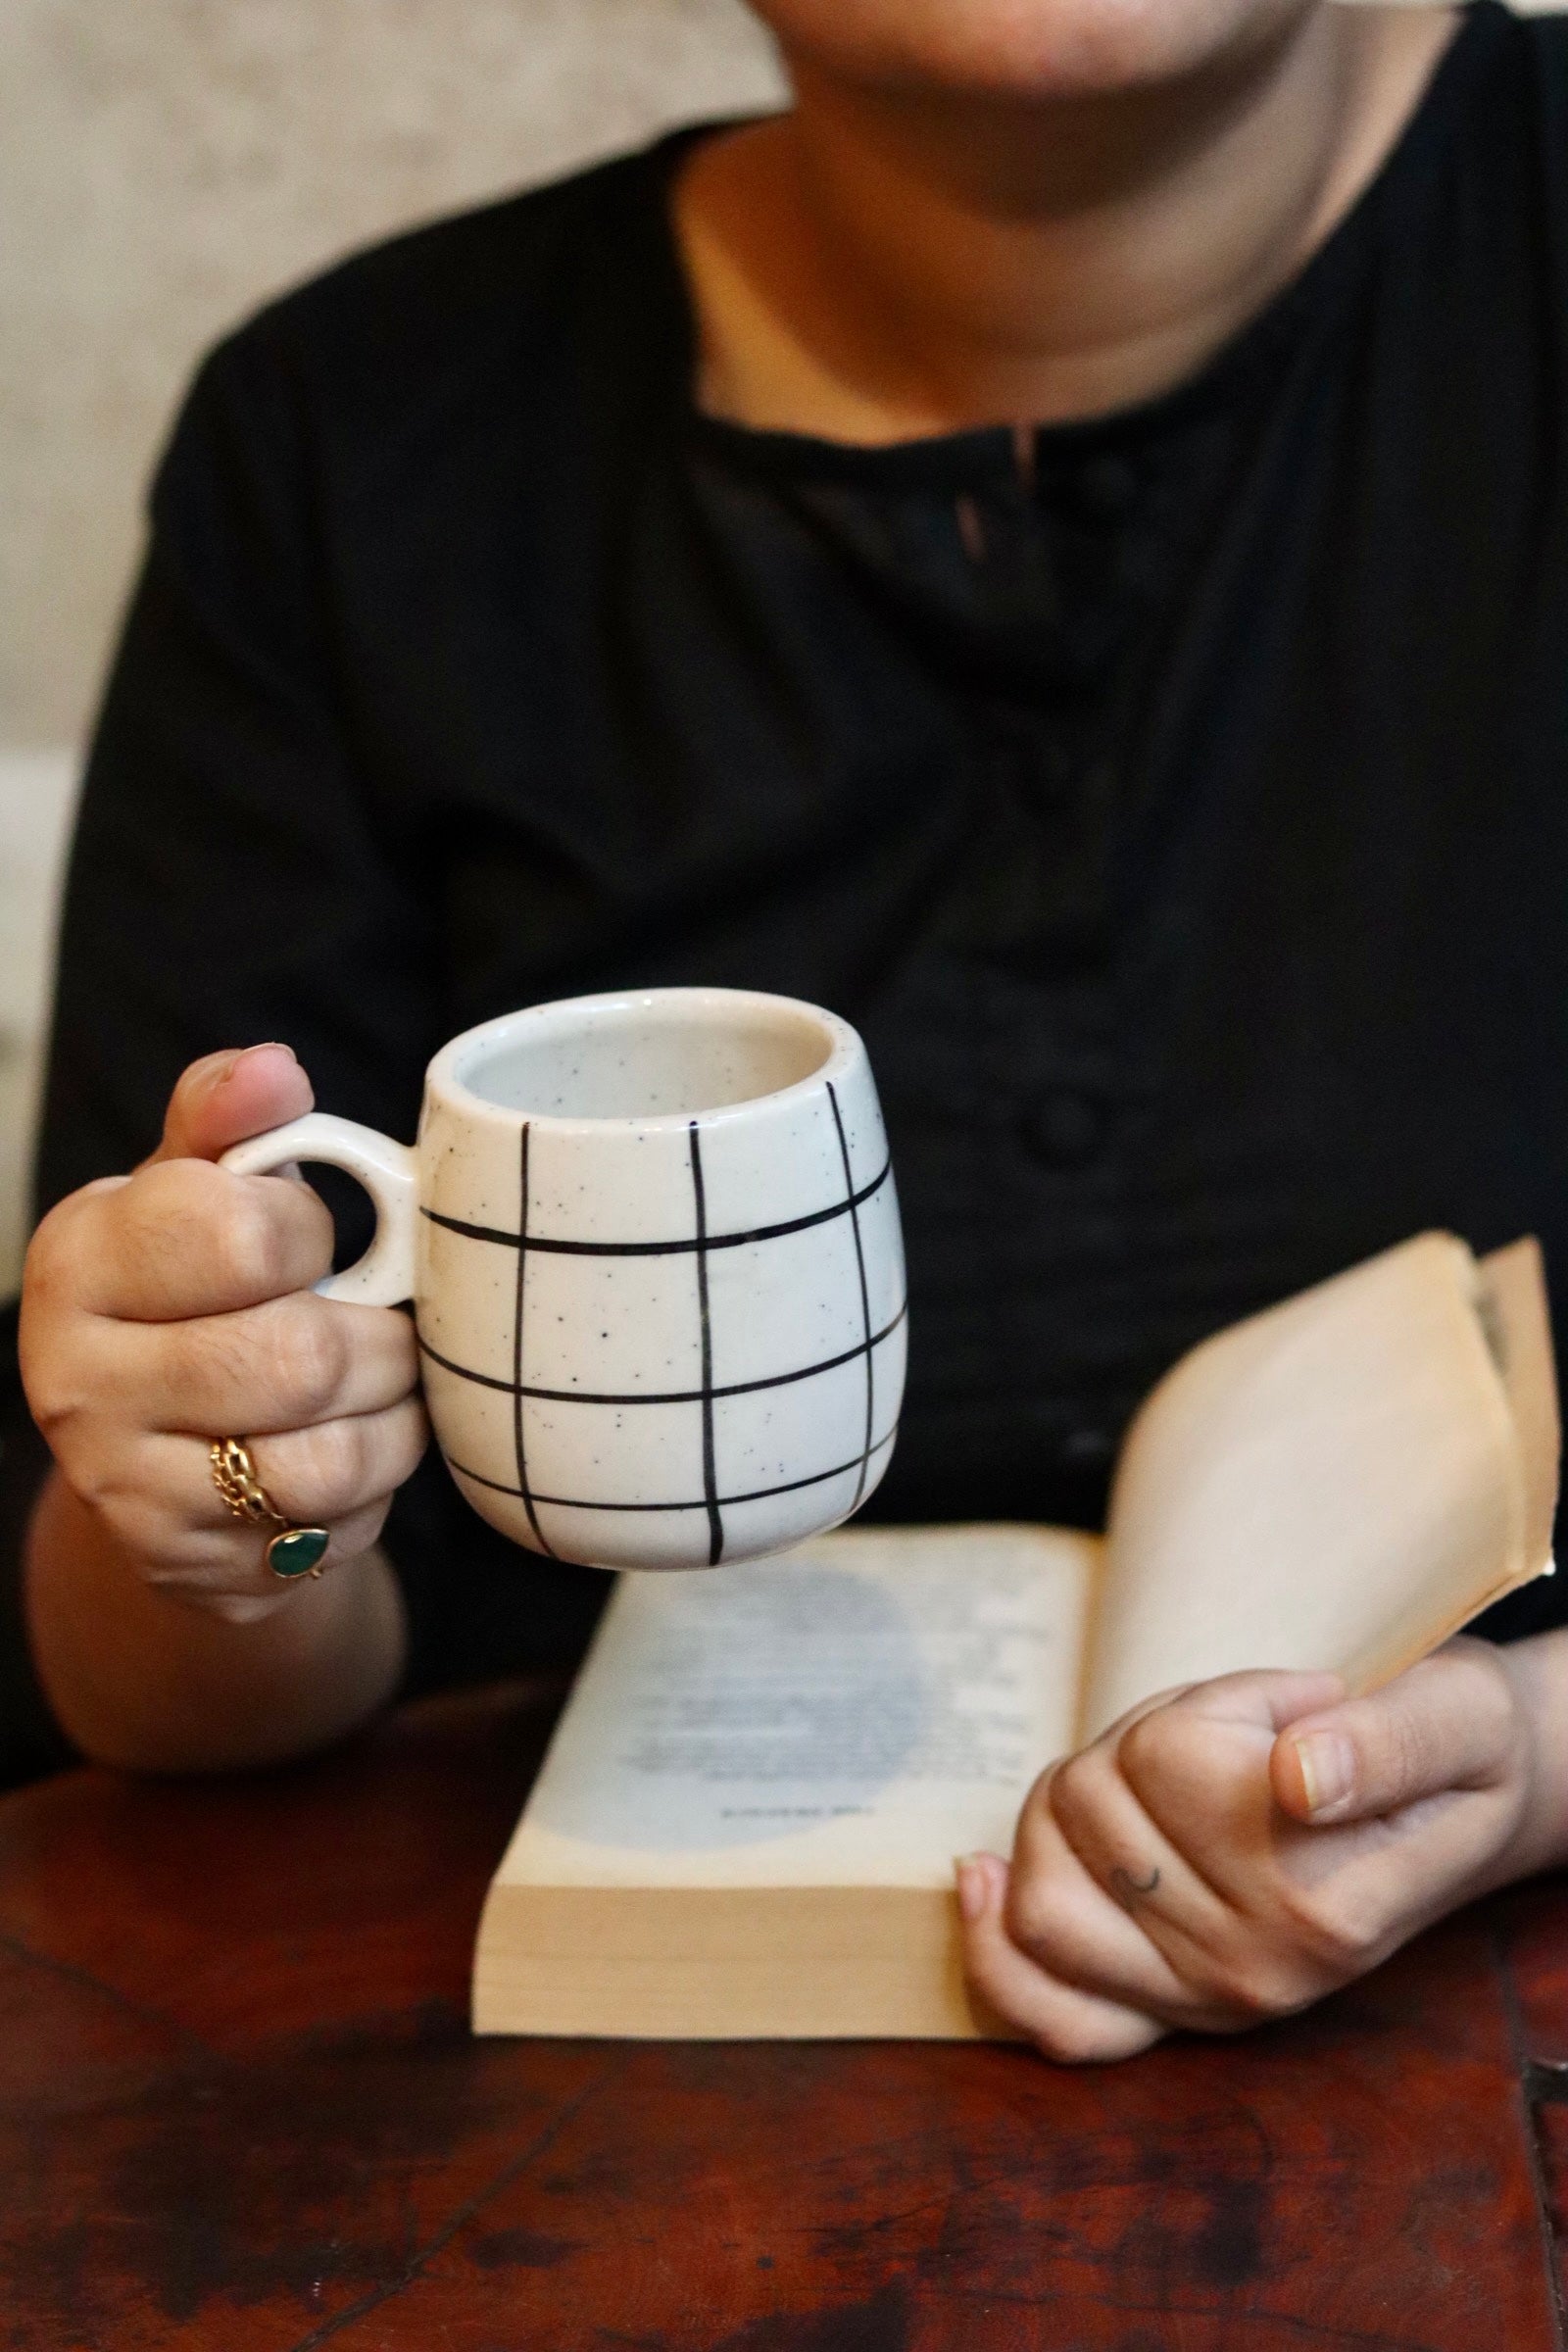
(628, 1060)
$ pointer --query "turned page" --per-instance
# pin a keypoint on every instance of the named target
(855, 1714)
(1338, 1483)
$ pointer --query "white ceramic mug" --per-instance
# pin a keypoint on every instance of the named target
(652, 1244)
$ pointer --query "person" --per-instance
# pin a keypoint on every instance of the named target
(1054, 545)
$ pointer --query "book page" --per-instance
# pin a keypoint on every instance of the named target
(855, 1713)
(1336, 1484)
(1517, 1321)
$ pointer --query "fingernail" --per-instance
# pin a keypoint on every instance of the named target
(1327, 1768)
(223, 1065)
(971, 1872)
(211, 1073)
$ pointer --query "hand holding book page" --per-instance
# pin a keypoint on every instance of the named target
(747, 1822)
(1338, 1483)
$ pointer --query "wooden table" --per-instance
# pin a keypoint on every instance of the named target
(240, 2110)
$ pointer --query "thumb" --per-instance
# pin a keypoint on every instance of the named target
(1447, 1723)
(227, 1097)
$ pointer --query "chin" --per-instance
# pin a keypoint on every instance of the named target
(1022, 49)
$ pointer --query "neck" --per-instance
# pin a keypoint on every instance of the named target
(878, 264)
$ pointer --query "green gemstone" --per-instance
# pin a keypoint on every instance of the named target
(297, 1551)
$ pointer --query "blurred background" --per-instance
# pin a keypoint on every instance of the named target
(164, 167)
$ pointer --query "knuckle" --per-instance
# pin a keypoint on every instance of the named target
(249, 1247)
(1149, 1747)
(1032, 1912)
(67, 1360)
(1329, 1929)
(197, 1352)
(326, 1468)
(207, 1358)
(54, 1387)
(102, 1471)
(182, 1197)
(47, 1264)
(83, 1471)
(310, 1356)
(303, 1221)
(1070, 1792)
(73, 1376)
(390, 1340)
(59, 1266)
(1254, 1985)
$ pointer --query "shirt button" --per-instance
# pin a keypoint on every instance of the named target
(1103, 487)
(1065, 1128)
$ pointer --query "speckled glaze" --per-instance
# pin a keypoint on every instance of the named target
(652, 1244)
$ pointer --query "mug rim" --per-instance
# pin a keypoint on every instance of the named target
(444, 1075)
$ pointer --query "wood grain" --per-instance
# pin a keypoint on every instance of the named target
(240, 2110)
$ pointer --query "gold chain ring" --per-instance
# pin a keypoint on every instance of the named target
(292, 1550)
(234, 1477)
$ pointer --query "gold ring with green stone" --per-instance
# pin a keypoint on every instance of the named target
(293, 1551)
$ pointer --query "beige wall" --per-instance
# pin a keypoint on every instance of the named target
(164, 163)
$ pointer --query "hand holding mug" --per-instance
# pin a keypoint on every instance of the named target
(166, 1308)
(653, 1247)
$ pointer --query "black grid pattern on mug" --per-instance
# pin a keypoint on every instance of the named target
(701, 1244)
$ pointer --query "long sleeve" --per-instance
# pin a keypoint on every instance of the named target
(232, 878)
(229, 880)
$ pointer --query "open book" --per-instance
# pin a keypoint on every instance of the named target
(747, 1822)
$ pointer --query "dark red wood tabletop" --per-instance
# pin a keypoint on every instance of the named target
(240, 2110)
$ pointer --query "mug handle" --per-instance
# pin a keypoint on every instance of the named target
(384, 1275)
